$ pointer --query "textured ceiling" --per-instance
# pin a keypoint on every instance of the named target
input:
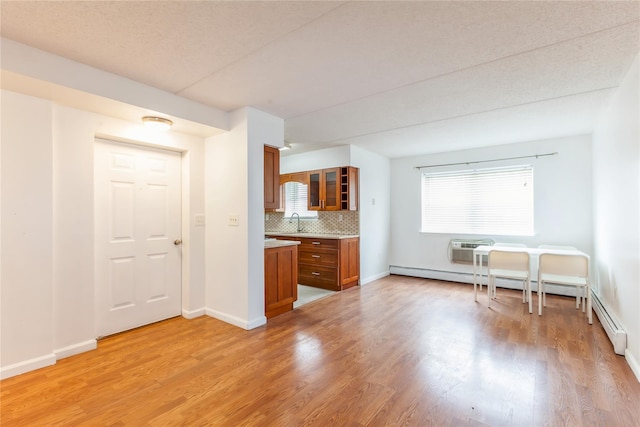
(398, 78)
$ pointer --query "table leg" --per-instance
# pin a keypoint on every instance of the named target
(475, 289)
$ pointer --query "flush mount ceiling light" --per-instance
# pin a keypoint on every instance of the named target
(157, 123)
(286, 146)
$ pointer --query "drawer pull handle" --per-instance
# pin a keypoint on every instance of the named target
(315, 243)
(315, 274)
(315, 256)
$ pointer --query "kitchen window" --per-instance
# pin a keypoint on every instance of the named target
(296, 199)
(496, 201)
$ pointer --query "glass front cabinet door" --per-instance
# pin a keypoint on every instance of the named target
(324, 189)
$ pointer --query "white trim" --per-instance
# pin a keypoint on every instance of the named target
(616, 334)
(192, 314)
(633, 363)
(236, 321)
(74, 349)
(374, 277)
(27, 366)
(462, 277)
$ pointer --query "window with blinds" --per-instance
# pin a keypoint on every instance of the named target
(295, 200)
(497, 201)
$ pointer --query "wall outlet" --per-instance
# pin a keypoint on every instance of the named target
(266, 217)
(340, 217)
(234, 220)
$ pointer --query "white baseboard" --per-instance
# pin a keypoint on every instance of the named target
(27, 365)
(463, 277)
(374, 277)
(192, 314)
(74, 349)
(633, 363)
(236, 321)
(425, 273)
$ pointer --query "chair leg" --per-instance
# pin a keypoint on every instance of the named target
(589, 311)
(540, 285)
(489, 291)
(475, 291)
(529, 296)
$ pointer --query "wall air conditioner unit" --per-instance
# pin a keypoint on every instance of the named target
(461, 250)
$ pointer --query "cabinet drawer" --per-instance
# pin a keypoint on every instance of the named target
(315, 275)
(307, 243)
(319, 256)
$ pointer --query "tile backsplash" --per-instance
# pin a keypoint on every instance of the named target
(328, 222)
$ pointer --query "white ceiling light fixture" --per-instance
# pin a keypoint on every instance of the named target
(157, 123)
(286, 146)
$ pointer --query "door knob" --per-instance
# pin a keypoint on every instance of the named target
(177, 242)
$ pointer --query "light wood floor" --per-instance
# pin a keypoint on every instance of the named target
(399, 351)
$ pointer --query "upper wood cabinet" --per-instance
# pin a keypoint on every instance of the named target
(349, 188)
(300, 177)
(324, 190)
(334, 189)
(271, 178)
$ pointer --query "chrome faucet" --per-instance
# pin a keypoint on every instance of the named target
(291, 220)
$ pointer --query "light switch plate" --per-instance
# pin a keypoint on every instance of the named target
(200, 219)
(234, 220)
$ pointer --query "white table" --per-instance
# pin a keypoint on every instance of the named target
(533, 253)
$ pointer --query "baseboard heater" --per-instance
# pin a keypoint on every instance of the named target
(614, 331)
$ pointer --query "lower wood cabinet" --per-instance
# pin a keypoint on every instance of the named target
(332, 264)
(349, 262)
(280, 279)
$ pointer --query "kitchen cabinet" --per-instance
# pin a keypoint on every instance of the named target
(349, 188)
(271, 178)
(332, 263)
(280, 279)
(333, 189)
(349, 262)
(300, 177)
(324, 190)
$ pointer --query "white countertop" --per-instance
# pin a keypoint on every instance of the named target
(313, 235)
(273, 243)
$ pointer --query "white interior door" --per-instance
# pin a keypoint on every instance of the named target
(137, 235)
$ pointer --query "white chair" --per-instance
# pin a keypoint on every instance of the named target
(565, 270)
(510, 245)
(580, 299)
(504, 245)
(510, 265)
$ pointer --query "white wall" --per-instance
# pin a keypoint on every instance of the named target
(374, 177)
(375, 213)
(320, 159)
(47, 286)
(26, 232)
(235, 186)
(616, 186)
(562, 199)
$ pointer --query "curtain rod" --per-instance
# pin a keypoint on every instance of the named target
(486, 161)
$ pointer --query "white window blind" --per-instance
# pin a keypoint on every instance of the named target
(496, 201)
(296, 200)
